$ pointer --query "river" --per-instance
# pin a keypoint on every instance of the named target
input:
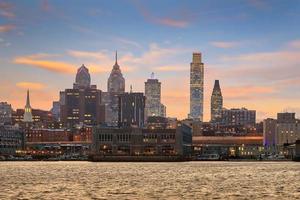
(182, 180)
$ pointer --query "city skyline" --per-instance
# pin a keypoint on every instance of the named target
(244, 60)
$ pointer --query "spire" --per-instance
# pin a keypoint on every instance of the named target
(27, 117)
(152, 75)
(28, 99)
(116, 57)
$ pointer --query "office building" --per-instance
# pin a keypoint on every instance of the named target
(196, 88)
(82, 104)
(287, 129)
(115, 86)
(216, 103)
(11, 140)
(238, 117)
(153, 98)
(5, 113)
(132, 109)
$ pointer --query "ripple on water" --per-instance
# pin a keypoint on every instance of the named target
(189, 180)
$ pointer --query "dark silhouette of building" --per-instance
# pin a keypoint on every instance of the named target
(131, 109)
(82, 104)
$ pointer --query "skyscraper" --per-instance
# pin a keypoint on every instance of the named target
(196, 87)
(27, 112)
(83, 78)
(115, 87)
(82, 104)
(116, 81)
(153, 97)
(131, 109)
(216, 103)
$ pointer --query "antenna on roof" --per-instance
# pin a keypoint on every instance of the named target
(152, 75)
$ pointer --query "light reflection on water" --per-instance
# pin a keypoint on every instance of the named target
(188, 180)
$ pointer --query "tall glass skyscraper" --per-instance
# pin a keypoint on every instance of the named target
(216, 102)
(153, 97)
(196, 88)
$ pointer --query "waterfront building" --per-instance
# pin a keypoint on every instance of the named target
(216, 102)
(243, 117)
(11, 140)
(143, 142)
(131, 109)
(115, 87)
(249, 146)
(5, 113)
(38, 135)
(269, 133)
(287, 129)
(153, 105)
(27, 118)
(196, 87)
(82, 104)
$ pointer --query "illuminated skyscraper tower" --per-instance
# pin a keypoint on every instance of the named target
(27, 112)
(216, 102)
(153, 97)
(196, 88)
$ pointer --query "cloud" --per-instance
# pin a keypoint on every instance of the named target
(6, 10)
(178, 21)
(172, 22)
(31, 85)
(39, 61)
(6, 28)
(168, 68)
(224, 45)
(127, 42)
(247, 92)
(294, 44)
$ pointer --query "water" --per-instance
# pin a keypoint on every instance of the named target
(189, 180)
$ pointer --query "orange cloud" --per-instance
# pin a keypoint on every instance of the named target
(224, 45)
(6, 28)
(246, 92)
(37, 61)
(31, 85)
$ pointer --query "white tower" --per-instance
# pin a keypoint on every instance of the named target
(27, 111)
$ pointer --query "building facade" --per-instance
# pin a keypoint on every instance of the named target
(82, 104)
(115, 87)
(27, 118)
(269, 133)
(287, 129)
(129, 141)
(216, 102)
(132, 109)
(153, 105)
(240, 117)
(5, 113)
(11, 140)
(196, 87)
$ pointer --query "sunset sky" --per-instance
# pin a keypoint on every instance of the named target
(251, 46)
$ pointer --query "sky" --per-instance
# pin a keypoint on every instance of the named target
(251, 46)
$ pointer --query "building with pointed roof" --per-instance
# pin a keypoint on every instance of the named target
(83, 78)
(27, 113)
(216, 102)
(116, 81)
